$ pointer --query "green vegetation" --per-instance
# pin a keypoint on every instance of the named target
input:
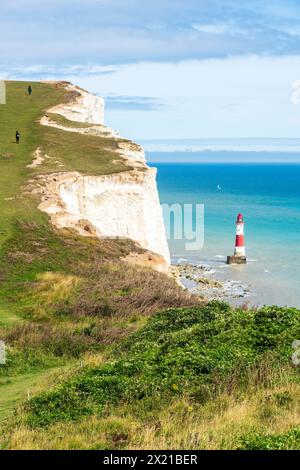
(102, 354)
(189, 351)
(71, 151)
(195, 352)
(62, 296)
(20, 113)
(61, 120)
(66, 150)
(287, 441)
(225, 373)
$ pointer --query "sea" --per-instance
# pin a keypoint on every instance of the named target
(259, 178)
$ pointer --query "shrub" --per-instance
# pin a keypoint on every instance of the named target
(287, 441)
(195, 351)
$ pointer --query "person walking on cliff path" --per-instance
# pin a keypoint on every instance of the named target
(29, 89)
(18, 137)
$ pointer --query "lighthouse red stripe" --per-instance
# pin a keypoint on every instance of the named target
(239, 240)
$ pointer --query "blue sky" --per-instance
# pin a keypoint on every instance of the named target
(168, 68)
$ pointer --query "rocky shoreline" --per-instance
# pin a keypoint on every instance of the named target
(201, 280)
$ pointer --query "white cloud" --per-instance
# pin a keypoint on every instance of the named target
(234, 97)
(212, 28)
(119, 31)
(230, 29)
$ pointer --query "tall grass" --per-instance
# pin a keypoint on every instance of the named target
(151, 396)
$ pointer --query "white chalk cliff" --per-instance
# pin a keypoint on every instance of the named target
(122, 204)
(85, 107)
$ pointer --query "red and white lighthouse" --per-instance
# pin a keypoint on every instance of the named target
(239, 237)
(239, 256)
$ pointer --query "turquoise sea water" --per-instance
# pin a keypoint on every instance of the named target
(268, 195)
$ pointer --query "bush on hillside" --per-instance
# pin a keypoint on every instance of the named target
(178, 352)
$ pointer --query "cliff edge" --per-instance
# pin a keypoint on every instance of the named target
(122, 204)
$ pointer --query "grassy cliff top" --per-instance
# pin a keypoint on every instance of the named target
(67, 151)
(106, 355)
(62, 296)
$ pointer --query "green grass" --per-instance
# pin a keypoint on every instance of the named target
(79, 152)
(102, 367)
(289, 440)
(225, 373)
(59, 292)
(21, 112)
(7, 314)
(196, 351)
(60, 286)
(59, 119)
(17, 389)
(87, 154)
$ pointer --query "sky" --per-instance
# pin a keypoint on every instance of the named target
(167, 68)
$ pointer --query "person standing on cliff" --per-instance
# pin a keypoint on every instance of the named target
(18, 137)
(29, 89)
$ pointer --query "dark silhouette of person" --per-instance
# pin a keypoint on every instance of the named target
(18, 137)
(29, 89)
